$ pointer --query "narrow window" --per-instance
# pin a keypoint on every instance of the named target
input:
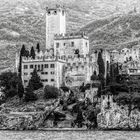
(52, 66)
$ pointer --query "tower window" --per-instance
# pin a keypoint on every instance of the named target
(63, 12)
(57, 45)
(86, 44)
(55, 12)
(72, 44)
(49, 12)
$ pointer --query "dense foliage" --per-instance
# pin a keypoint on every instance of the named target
(51, 92)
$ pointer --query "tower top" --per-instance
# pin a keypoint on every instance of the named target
(55, 9)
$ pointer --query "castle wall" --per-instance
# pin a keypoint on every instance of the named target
(67, 46)
(50, 71)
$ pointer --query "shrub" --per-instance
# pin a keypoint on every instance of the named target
(51, 92)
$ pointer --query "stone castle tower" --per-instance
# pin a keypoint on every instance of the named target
(55, 24)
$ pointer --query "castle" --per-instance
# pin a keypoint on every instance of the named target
(66, 59)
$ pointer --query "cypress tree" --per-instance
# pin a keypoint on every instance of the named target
(101, 64)
(32, 53)
(35, 80)
(22, 53)
(29, 94)
(38, 47)
(20, 87)
(23, 50)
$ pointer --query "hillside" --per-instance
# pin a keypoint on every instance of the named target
(119, 32)
(23, 22)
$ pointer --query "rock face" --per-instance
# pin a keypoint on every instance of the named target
(118, 119)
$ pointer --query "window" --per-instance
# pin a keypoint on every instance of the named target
(46, 80)
(42, 66)
(86, 44)
(63, 13)
(52, 65)
(46, 65)
(38, 67)
(52, 72)
(45, 72)
(64, 44)
(72, 44)
(42, 73)
(35, 66)
(55, 12)
(57, 45)
(25, 66)
(52, 80)
(25, 73)
(31, 73)
(31, 66)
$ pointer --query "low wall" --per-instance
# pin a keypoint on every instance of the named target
(118, 119)
(28, 121)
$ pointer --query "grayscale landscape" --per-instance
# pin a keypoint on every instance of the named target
(109, 24)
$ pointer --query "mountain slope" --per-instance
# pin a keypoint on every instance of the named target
(122, 31)
(23, 22)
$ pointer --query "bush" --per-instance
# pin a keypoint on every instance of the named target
(11, 93)
(51, 92)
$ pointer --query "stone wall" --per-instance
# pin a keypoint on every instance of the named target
(118, 119)
(23, 121)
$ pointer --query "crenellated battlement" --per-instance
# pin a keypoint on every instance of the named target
(44, 58)
(55, 10)
(70, 36)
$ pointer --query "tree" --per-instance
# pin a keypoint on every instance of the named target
(22, 53)
(32, 53)
(38, 47)
(79, 119)
(51, 92)
(29, 94)
(20, 87)
(100, 62)
(8, 82)
(23, 50)
(35, 81)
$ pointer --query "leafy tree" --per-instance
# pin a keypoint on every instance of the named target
(51, 92)
(32, 53)
(9, 81)
(35, 81)
(29, 94)
(38, 47)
